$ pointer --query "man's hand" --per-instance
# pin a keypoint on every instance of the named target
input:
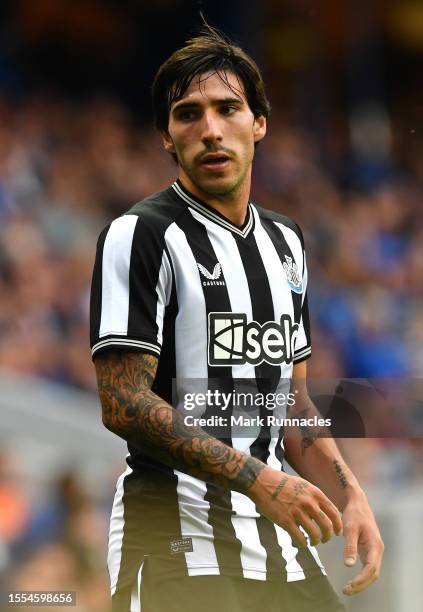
(362, 537)
(292, 502)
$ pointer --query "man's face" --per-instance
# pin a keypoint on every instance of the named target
(212, 131)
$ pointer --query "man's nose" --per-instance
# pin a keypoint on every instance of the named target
(211, 127)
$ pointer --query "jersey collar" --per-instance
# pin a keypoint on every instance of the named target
(212, 214)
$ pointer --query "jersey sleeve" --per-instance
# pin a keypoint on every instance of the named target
(130, 289)
(302, 349)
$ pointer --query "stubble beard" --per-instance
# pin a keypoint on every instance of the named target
(214, 188)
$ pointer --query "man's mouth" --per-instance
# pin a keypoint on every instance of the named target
(215, 161)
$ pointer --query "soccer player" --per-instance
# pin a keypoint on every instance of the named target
(198, 286)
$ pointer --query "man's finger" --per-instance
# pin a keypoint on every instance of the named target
(332, 513)
(350, 548)
(324, 523)
(368, 574)
(297, 535)
(310, 527)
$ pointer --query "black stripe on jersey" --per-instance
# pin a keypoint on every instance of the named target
(261, 301)
(305, 353)
(308, 563)
(282, 249)
(143, 273)
(268, 377)
(227, 545)
(166, 370)
(96, 289)
(279, 449)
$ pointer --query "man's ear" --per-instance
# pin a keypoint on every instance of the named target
(168, 142)
(259, 128)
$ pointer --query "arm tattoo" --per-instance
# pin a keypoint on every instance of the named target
(279, 487)
(135, 413)
(341, 476)
(308, 434)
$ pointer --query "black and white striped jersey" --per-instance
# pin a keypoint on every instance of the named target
(216, 303)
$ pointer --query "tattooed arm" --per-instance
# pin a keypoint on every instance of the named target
(135, 413)
(319, 461)
(312, 451)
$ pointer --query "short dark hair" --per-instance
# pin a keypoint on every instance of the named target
(213, 52)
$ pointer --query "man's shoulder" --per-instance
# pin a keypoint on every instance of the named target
(276, 217)
(155, 214)
(158, 209)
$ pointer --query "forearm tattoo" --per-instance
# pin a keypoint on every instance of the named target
(341, 476)
(309, 434)
(137, 414)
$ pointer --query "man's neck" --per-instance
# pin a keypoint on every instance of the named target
(233, 206)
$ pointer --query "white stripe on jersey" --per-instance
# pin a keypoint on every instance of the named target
(190, 343)
(289, 553)
(253, 553)
(163, 290)
(115, 277)
(139, 344)
(114, 556)
(191, 359)
(136, 594)
(315, 554)
(194, 524)
(303, 353)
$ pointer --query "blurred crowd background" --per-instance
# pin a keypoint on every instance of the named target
(343, 157)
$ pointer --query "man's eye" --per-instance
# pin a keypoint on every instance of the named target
(186, 115)
(228, 109)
